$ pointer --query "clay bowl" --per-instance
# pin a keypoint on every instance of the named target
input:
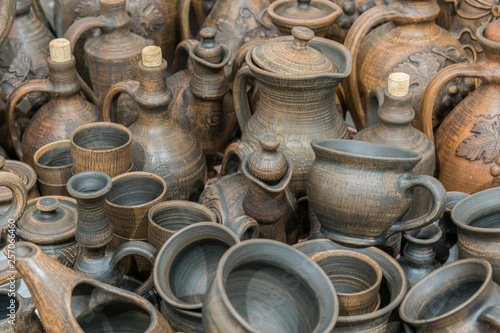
(167, 218)
(267, 286)
(53, 163)
(185, 267)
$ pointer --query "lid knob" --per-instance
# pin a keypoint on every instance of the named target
(47, 204)
(208, 35)
(2, 162)
(151, 56)
(303, 4)
(268, 164)
(270, 142)
(398, 84)
(301, 36)
(209, 49)
(492, 32)
(60, 50)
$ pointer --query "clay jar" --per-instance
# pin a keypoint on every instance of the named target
(167, 218)
(459, 297)
(184, 269)
(361, 191)
(249, 292)
(81, 304)
(50, 222)
(23, 172)
(23, 311)
(103, 147)
(53, 166)
(477, 219)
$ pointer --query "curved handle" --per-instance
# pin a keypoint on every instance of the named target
(438, 81)
(141, 249)
(184, 19)
(360, 29)
(8, 10)
(491, 317)
(438, 193)
(234, 155)
(110, 104)
(375, 101)
(239, 58)
(75, 31)
(241, 105)
(28, 87)
(18, 203)
(245, 227)
(181, 60)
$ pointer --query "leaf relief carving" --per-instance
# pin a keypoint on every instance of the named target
(484, 143)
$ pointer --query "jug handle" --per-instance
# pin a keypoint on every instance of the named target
(234, 155)
(42, 85)
(184, 47)
(491, 317)
(375, 101)
(141, 249)
(8, 10)
(110, 104)
(438, 81)
(18, 204)
(241, 105)
(360, 28)
(184, 19)
(439, 198)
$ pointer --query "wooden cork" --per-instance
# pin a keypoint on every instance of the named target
(399, 84)
(60, 50)
(151, 56)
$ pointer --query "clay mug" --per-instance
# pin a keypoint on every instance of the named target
(459, 297)
(101, 146)
(361, 191)
(167, 218)
(53, 166)
(356, 278)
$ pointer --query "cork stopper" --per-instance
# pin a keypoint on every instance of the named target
(492, 32)
(151, 56)
(398, 84)
(60, 50)
(268, 164)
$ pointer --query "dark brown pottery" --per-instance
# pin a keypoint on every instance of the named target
(27, 176)
(18, 313)
(69, 302)
(8, 8)
(184, 269)
(167, 218)
(15, 207)
(50, 222)
(103, 147)
(160, 145)
(459, 297)
(93, 233)
(266, 286)
(53, 166)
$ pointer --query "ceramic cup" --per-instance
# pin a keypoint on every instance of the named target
(53, 167)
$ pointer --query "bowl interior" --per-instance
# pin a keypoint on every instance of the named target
(176, 217)
(57, 157)
(101, 137)
(134, 191)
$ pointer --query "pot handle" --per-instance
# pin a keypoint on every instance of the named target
(18, 204)
(184, 19)
(31, 86)
(438, 193)
(491, 317)
(8, 10)
(181, 55)
(234, 155)
(141, 249)
(438, 81)
(375, 101)
(110, 104)
(241, 104)
(358, 31)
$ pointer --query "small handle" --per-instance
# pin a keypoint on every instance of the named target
(181, 55)
(438, 193)
(358, 31)
(239, 58)
(242, 107)
(245, 227)
(234, 155)
(18, 203)
(141, 249)
(491, 317)
(184, 19)
(8, 10)
(110, 104)
(28, 87)
(375, 101)
(438, 81)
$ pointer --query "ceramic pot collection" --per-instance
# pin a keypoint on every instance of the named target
(249, 166)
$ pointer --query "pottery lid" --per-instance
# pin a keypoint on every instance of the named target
(301, 9)
(48, 220)
(268, 163)
(292, 57)
(22, 170)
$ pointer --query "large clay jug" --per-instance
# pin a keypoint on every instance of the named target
(467, 140)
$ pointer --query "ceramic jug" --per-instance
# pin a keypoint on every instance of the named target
(108, 64)
(466, 148)
(61, 115)
(159, 144)
(81, 304)
(297, 78)
(27, 176)
(203, 104)
(418, 47)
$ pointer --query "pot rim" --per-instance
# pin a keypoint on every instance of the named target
(172, 203)
(48, 147)
(102, 124)
(425, 241)
(468, 203)
(89, 195)
(143, 174)
(320, 23)
(32, 178)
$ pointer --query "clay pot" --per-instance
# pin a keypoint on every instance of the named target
(53, 166)
(356, 279)
(160, 145)
(129, 200)
(103, 147)
(61, 115)
(418, 47)
(185, 267)
(392, 290)
(317, 15)
(365, 218)
(50, 222)
(297, 78)
(81, 304)
(18, 314)
(467, 163)
(476, 218)
(250, 292)
(167, 218)
(457, 297)
(27, 176)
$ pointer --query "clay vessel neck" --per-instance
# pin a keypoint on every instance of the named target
(153, 95)
(395, 115)
(491, 48)
(419, 248)
(62, 76)
(416, 12)
(114, 13)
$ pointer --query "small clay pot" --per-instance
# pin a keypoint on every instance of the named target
(104, 147)
(260, 285)
(129, 200)
(167, 218)
(186, 266)
(356, 278)
(53, 166)
(18, 313)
